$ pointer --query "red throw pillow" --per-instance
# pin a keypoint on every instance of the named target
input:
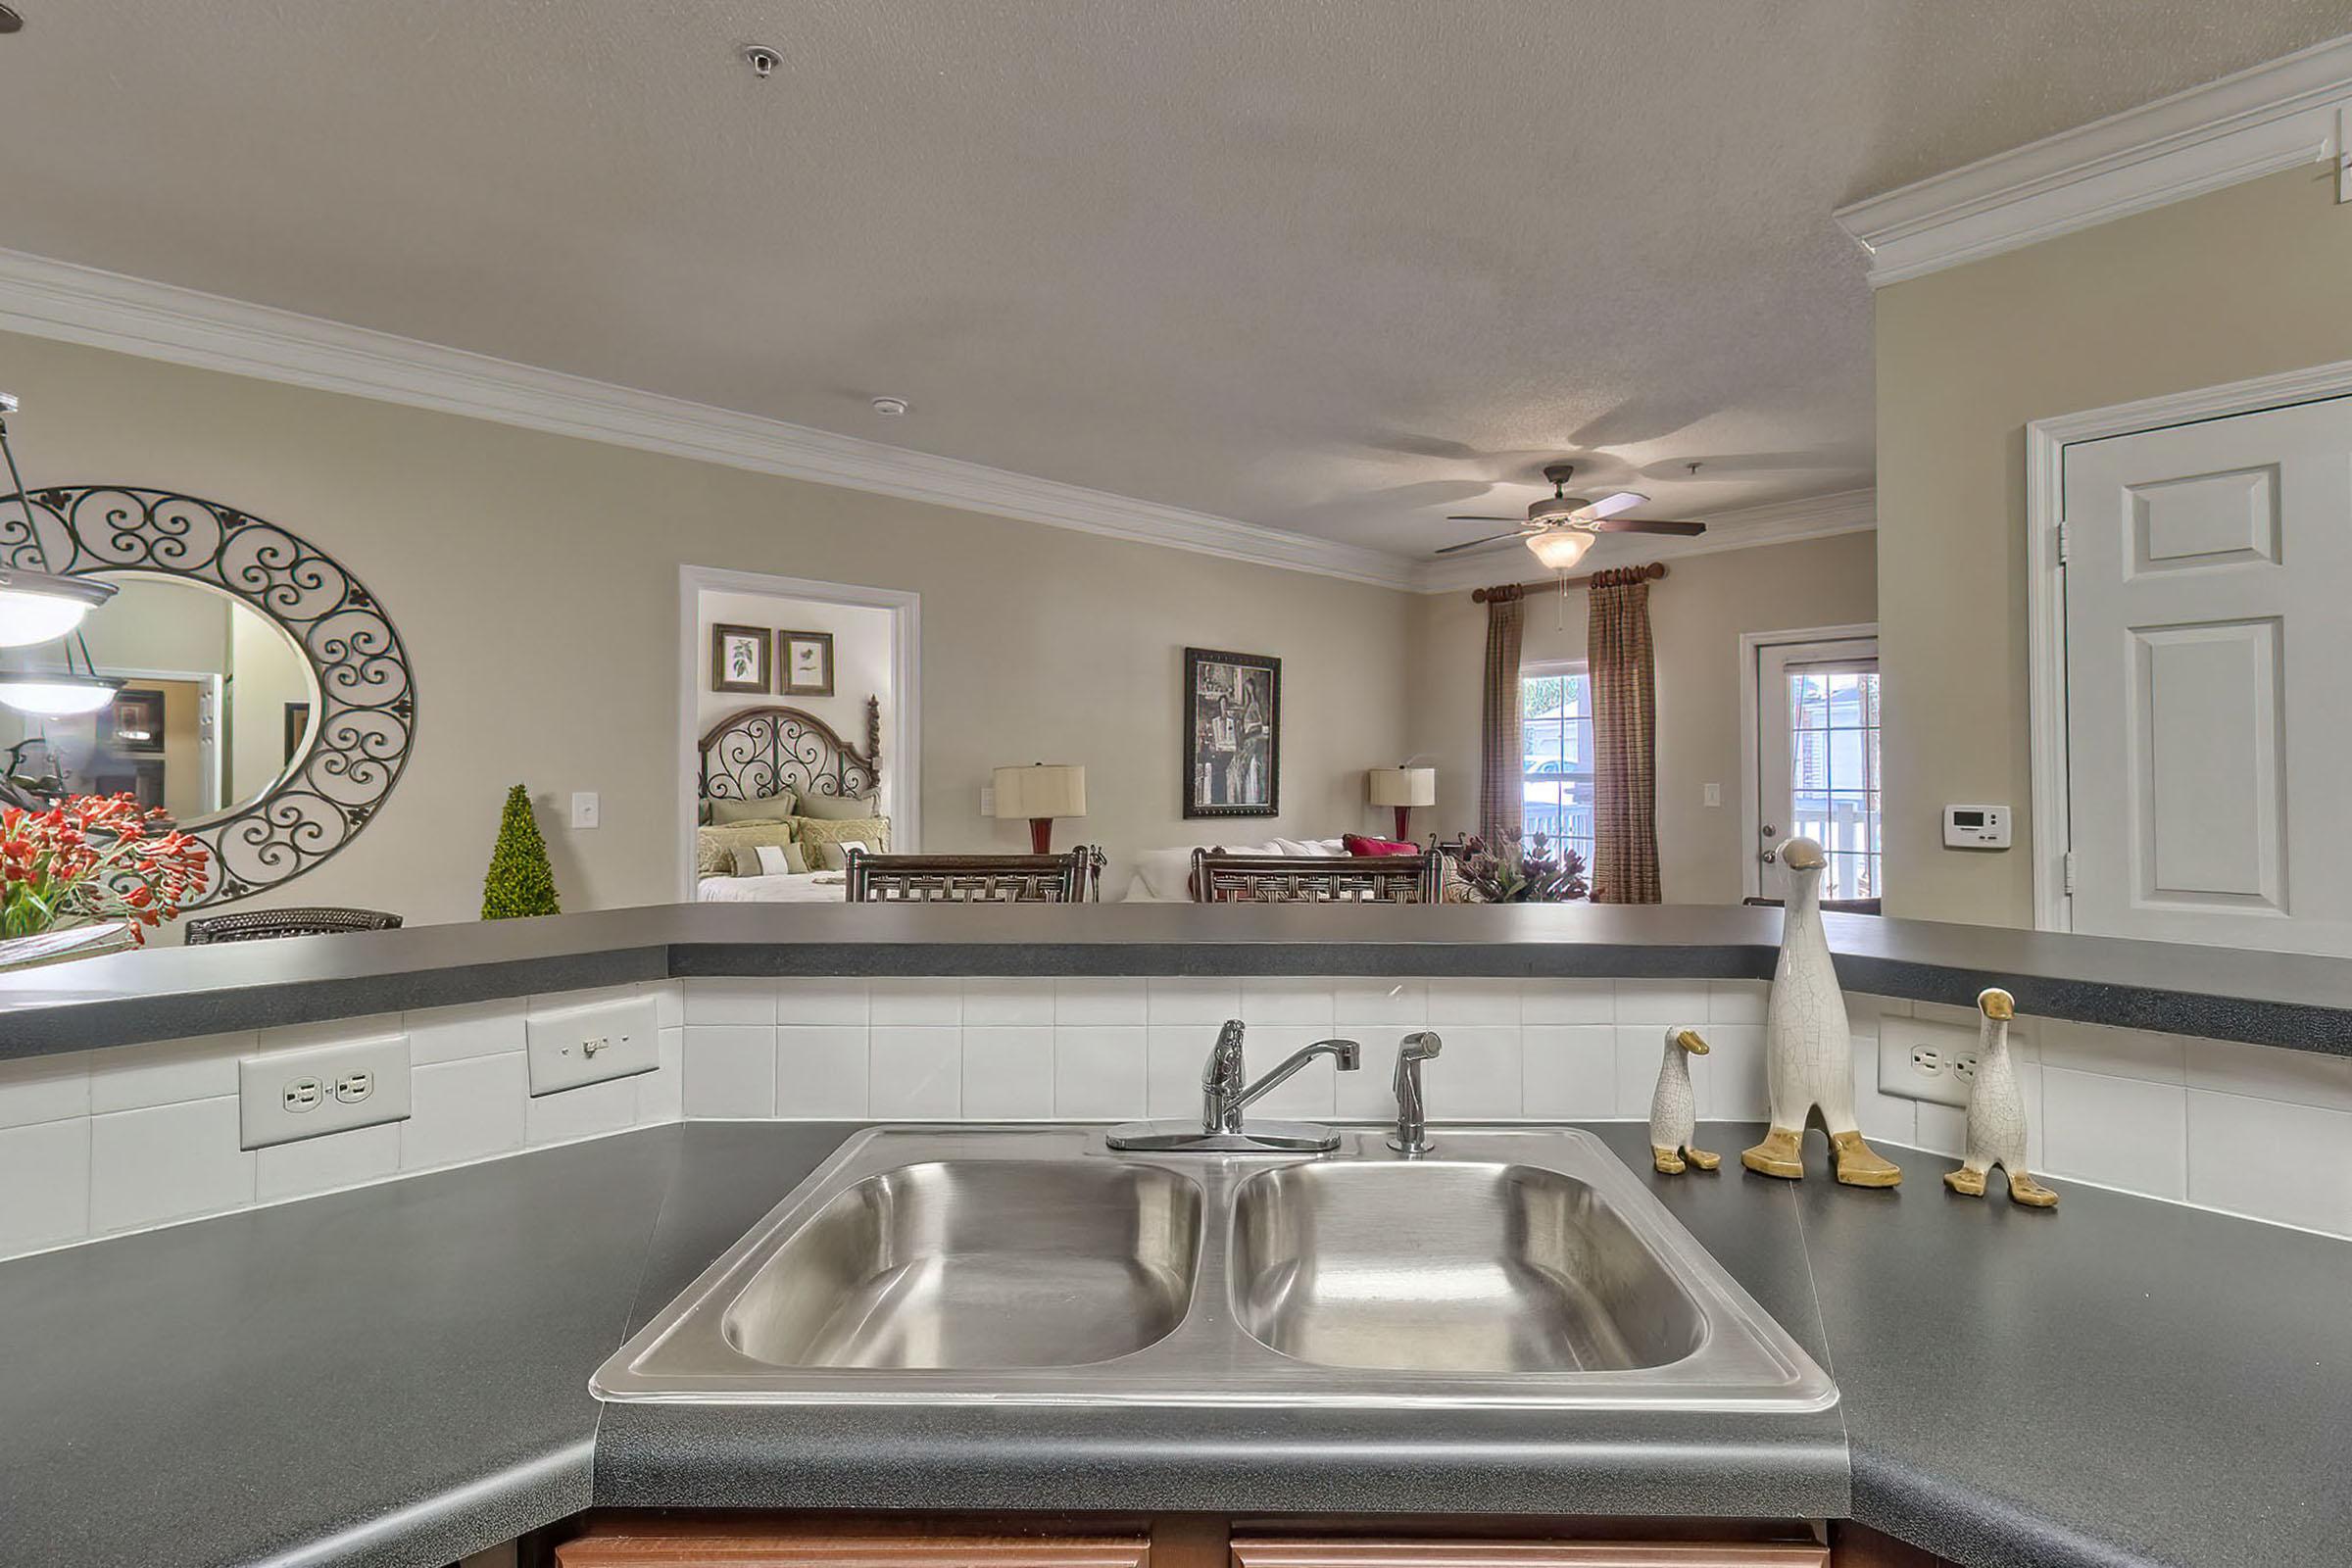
(1357, 843)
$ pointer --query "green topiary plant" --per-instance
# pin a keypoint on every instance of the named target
(520, 882)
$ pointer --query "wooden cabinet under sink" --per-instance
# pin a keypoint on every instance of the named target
(865, 1540)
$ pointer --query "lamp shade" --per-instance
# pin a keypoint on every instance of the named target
(39, 607)
(1560, 549)
(1040, 790)
(1403, 786)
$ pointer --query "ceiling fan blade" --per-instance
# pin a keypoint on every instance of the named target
(1473, 544)
(1645, 525)
(1608, 506)
(1472, 517)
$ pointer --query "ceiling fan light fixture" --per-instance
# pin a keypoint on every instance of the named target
(1560, 549)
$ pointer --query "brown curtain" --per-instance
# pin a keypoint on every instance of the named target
(1625, 726)
(1499, 758)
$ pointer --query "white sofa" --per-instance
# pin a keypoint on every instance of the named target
(1163, 876)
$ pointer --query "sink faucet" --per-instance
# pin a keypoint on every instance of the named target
(1225, 1093)
(1411, 1136)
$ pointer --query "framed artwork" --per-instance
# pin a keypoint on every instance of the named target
(807, 662)
(739, 658)
(138, 719)
(1232, 734)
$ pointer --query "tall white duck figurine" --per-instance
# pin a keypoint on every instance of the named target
(1808, 1051)
(1997, 1112)
(1674, 1108)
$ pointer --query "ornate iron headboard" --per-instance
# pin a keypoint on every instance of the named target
(756, 752)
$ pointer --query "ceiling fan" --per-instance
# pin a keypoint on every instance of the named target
(1561, 527)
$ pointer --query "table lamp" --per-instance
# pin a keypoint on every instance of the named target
(1404, 788)
(1040, 792)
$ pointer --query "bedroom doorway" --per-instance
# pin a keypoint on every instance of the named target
(789, 682)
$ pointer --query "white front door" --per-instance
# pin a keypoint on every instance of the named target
(1817, 760)
(2209, 680)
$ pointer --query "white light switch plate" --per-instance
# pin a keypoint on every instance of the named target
(330, 1088)
(1920, 1059)
(580, 1046)
(585, 808)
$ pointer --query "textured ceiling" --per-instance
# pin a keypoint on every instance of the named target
(1332, 266)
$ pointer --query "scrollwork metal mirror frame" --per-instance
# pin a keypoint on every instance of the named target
(365, 724)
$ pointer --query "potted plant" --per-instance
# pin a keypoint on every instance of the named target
(519, 883)
(89, 858)
(1514, 872)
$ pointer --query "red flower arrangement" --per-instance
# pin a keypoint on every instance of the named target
(93, 858)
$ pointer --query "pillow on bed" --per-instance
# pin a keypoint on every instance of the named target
(770, 860)
(759, 809)
(835, 808)
(836, 857)
(816, 833)
(715, 847)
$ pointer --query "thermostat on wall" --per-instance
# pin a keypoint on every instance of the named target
(1976, 827)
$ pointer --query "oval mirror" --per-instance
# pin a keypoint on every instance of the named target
(216, 704)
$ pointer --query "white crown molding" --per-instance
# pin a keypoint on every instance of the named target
(2289, 113)
(74, 304)
(1775, 522)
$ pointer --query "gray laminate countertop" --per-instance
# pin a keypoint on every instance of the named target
(398, 1375)
(2297, 1001)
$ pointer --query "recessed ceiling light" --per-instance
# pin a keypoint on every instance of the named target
(891, 407)
(761, 58)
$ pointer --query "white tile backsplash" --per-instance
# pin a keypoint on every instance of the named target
(2117, 1132)
(453, 1033)
(323, 1163)
(916, 1072)
(166, 1162)
(462, 1111)
(110, 1141)
(44, 1184)
(730, 1071)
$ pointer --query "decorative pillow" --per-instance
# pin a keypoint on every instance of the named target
(814, 833)
(759, 809)
(769, 859)
(835, 808)
(715, 847)
(1165, 873)
(1357, 843)
(837, 854)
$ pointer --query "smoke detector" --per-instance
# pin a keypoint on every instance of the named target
(890, 408)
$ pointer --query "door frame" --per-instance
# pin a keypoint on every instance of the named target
(903, 757)
(1751, 763)
(2049, 822)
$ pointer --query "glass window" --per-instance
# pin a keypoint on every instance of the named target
(1556, 729)
(1834, 774)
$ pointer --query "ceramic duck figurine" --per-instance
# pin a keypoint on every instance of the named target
(1997, 1112)
(1674, 1108)
(1808, 1051)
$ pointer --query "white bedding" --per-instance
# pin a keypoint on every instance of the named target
(806, 887)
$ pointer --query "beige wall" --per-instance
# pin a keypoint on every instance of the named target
(535, 580)
(1698, 615)
(2246, 281)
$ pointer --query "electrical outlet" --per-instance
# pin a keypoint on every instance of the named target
(575, 1047)
(1921, 1058)
(327, 1089)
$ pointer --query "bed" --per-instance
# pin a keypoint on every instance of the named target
(761, 751)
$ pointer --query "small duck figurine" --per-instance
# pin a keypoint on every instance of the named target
(1674, 1108)
(1997, 1112)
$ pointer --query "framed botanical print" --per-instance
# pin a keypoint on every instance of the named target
(1232, 734)
(807, 662)
(739, 658)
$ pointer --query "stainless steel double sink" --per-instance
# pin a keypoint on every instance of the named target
(936, 1264)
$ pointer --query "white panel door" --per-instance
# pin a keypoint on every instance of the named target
(2209, 680)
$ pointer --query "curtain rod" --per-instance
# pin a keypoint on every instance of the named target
(1650, 573)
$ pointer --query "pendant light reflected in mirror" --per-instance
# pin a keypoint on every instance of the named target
(39, 605)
